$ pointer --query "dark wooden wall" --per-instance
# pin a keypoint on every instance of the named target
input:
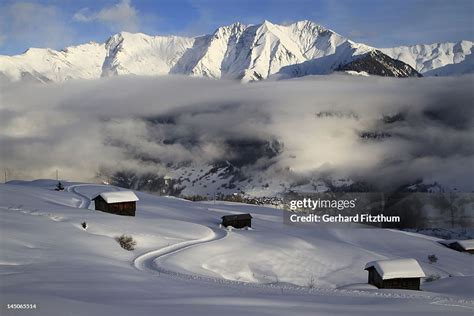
(375, 278)
(405, 283)
(123, 208)
(241, 223)
(400, 283)
(458, 247)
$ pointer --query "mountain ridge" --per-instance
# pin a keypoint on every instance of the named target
(236, 51)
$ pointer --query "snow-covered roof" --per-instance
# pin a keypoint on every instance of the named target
(397, 268)
(119, 196)
(466, 244)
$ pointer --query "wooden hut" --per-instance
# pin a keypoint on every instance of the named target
(461, 245)
(395, 274)
(119, 203)
(237, 221)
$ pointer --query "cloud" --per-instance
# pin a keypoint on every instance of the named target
(33, 24)
(119, 17)
(415, 128)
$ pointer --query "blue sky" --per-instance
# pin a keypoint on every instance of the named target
(381, 23)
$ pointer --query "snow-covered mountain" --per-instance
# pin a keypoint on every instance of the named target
(140, 54)
(75, 62)
(442, 59)
(256, 52)
(237, 51)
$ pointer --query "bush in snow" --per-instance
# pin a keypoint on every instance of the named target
(59, 187)
(432, 277)
(432, 258)
(126, 242)
(84, 225)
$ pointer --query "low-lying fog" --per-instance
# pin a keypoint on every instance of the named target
(381, 130)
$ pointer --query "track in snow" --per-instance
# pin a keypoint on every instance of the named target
(146, 261)
(85, 200)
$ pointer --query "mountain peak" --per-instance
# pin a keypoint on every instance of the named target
(306, 23)
(126, 35)
(228, 29)
(267, 23)
(235, 51)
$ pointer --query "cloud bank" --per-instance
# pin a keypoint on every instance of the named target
(119, 17)
(383, 131)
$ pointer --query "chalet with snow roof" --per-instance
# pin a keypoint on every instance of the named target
(119, 203)
(237, 221)
(461, 245)
(395, 274)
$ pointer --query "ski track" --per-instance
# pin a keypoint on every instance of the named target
(85, 200)
(148, 262)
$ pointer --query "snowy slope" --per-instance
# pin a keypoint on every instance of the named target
(237, 51)
(184, 263)
(75, 62)
(140, 54)
(442, 59)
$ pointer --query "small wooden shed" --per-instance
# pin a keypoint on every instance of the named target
(237, 221)
(395, 274)
(462, 245)
(119, 203)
